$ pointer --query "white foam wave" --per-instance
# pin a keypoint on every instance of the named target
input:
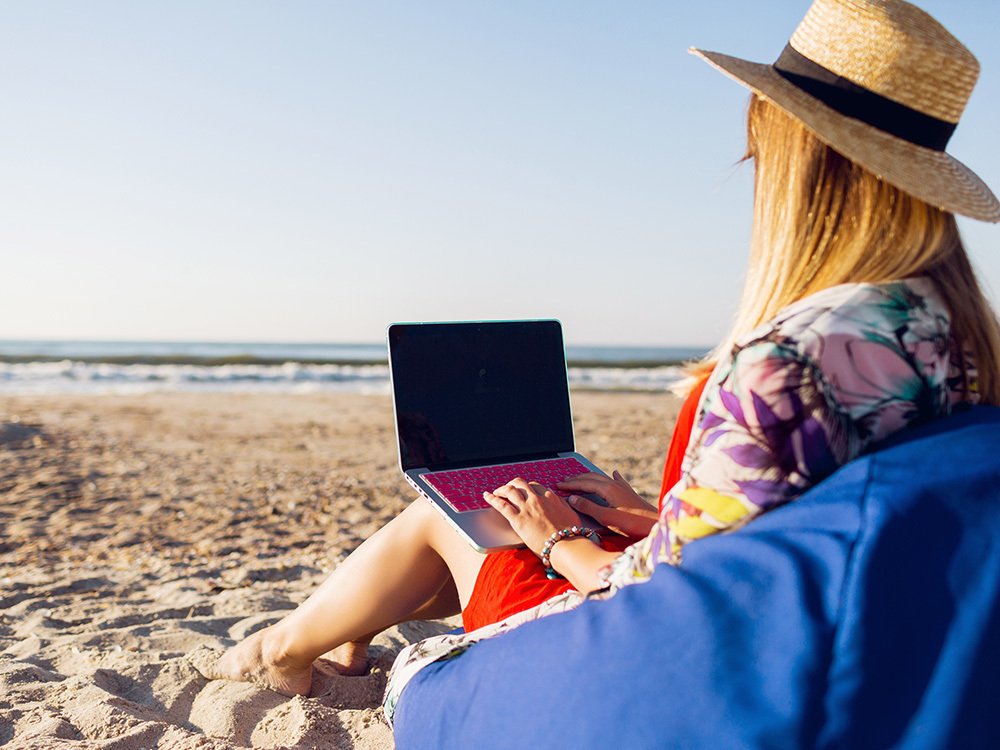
(68, 376)
(93, 378)
(625, 378)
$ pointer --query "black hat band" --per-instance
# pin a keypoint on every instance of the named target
(859, 103)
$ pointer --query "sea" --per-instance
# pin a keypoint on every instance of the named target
(137, 367)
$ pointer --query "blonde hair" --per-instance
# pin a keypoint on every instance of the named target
(820, 220)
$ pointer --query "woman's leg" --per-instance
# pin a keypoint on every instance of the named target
(414, 564)
(352, 657)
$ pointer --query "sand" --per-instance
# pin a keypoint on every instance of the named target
(136, 532)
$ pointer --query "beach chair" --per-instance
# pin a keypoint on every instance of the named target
(864, 615)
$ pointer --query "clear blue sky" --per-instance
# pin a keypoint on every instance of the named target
(311, 171)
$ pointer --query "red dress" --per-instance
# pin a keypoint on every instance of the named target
(514, 580)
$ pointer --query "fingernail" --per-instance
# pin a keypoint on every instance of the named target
(616, 475)
(573, 499)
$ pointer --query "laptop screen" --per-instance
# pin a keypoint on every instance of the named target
(485, 392)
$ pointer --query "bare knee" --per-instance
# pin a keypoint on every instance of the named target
(421, 512)
(462, 560)
(421, 520)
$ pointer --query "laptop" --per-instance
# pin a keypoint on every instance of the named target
(476, 404)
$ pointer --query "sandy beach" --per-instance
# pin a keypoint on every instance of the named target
(139, 530)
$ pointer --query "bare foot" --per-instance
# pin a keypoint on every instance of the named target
(351, 659)
(256, 660)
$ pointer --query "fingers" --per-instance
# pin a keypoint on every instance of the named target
(596, 476)
(511, 497)
(518, 489)
(592, 484)
(500, 503)
(523, 485)
(589, 507)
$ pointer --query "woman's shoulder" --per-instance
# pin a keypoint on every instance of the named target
(891, 313)
(879, 354)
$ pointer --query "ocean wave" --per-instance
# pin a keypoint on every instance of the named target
(70, 376)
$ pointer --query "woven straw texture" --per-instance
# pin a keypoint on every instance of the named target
(918, 64)
(896, 50)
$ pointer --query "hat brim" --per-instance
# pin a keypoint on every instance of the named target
(932, 176)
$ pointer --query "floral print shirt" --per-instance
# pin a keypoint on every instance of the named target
(799, 396)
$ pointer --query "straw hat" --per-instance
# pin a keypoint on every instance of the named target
(884, 84)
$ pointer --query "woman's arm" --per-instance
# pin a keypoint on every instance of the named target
(580, 561)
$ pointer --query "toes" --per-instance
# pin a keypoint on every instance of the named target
(205, 659)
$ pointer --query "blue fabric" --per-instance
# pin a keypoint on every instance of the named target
(863, 615)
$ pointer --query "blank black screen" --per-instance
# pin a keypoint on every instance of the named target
(479, 392)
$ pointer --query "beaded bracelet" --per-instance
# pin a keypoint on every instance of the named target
(558, 536)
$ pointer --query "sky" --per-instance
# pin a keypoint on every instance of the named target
(237, 170)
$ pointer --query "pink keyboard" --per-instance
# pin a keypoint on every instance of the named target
(464, 488)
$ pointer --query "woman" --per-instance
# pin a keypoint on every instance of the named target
(861, 316)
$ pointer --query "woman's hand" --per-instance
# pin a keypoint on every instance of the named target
(626, 514)
(533, 511)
